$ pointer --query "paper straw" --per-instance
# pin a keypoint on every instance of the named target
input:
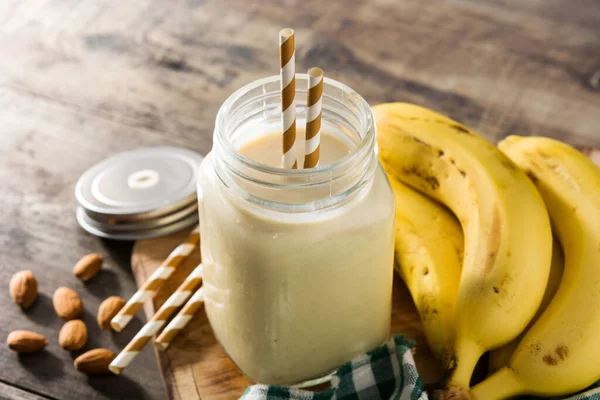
(156, 280)
(313, 118)
(179, 297)
(181, 320)
(287, 61)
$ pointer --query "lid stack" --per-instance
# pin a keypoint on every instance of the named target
(139, 194)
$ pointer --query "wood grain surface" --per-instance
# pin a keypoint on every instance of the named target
(195, 365)
(81, 80)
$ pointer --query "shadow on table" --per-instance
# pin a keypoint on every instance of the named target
(119, 252)
(120, 387)
(94, 331)
(43, 365)
(42, 311)
(105, 284)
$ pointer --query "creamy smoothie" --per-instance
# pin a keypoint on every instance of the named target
(292, 296)
(267, 149)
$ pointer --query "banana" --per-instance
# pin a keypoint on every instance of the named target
(559, 354)
(508, 240)
(499, 357)
(429, 251)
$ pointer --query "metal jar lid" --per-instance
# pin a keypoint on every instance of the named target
(143, 225)
(85, 223)
(138, 191)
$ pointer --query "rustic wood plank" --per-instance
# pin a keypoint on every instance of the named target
(491, 67)
(9, 392)
(84, 79)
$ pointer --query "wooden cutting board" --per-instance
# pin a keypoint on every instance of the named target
(195, 366)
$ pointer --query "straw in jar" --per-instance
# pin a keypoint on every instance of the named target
(313, 118)
(287, 61)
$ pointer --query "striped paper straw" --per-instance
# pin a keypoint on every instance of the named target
(313, 118)
(180, 296)
(287, 61)
(156, 280)
(181, 320)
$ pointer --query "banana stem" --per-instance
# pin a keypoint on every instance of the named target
(466, 356)
(502, 385)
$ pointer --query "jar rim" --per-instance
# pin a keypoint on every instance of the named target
(362, 147)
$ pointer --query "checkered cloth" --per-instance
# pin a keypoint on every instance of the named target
(387, 372)
(592, 394)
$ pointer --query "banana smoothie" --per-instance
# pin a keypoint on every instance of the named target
(298, 264)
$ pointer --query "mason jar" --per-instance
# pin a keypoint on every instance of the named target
(298, 263)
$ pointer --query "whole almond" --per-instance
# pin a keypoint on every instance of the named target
(73, 335)
(23, 288)
(26, 341)
(67, 303)
(88, 266)
(94, 362)
(108, 309)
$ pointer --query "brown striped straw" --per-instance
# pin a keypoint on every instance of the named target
(178, 298)
(313, 118)
(287, 61)
(156, 280)
(181, 320)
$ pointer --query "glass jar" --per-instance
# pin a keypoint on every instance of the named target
(298, 264)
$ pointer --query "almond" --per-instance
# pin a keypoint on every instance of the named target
(67, 303)
(88, 266)
(73, 335)
(108, 309)
(23, 288)
(94, 362)
(26, 341)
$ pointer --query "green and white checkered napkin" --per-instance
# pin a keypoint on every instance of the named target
(388, 372)
(591, 394)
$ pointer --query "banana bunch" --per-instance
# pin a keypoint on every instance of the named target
(507, 235)
(516, 293)
(509, 295)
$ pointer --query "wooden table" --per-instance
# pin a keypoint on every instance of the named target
(84, 79)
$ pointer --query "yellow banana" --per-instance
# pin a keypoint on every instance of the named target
(500, 356)
(559, 354)
(429, 250)
(508, 241)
